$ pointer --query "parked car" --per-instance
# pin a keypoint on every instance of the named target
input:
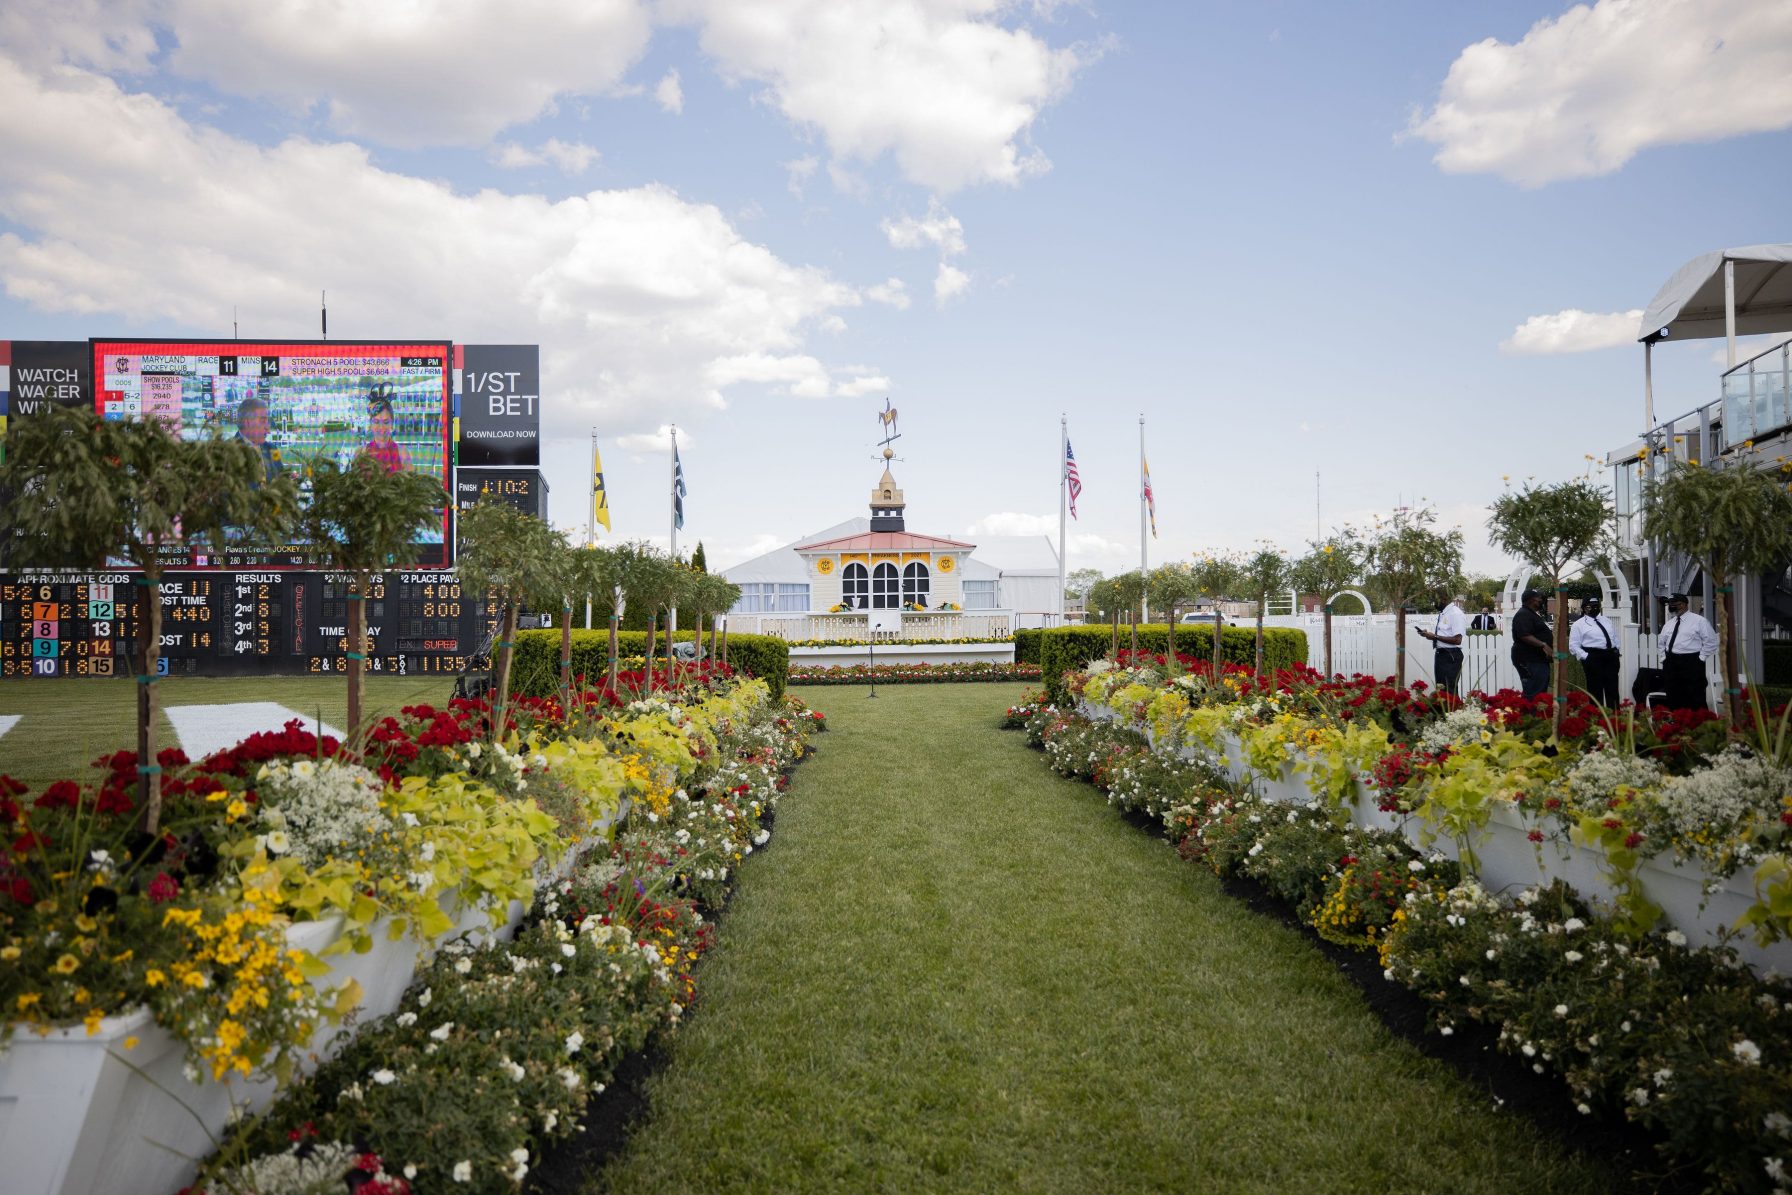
(1197, 616)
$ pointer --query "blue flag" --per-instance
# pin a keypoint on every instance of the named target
(677, 490)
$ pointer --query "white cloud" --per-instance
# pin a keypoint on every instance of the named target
(570, 157)
(893, 291)
(799, 375)
(848, 181)
(645, 304)
(1583, 93)
(858, 387)
(657, 440)
(1083, 549)
(798, 173)
(668, 92)
(107, 35)
(940, 85)
(411, 74)
(1746, 347)
(939, 228)
(949, 283)
(728, 553)
(1573, 331)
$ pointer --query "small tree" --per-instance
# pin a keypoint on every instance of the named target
(83, 489)
(363, 519)
(1732, 522)
(516, 559)
(585, 576)
(1129, 591)
(1404, 557)
(1171, 587)
(699, 562)
(1265, 571)
(1549, 527)
(620, 571)
(1102, 602)
(1077, 583)
(655, 587)
(1332, 564)
(1217, 575)
(713, 595)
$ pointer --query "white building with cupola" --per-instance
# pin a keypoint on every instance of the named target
(868, 579)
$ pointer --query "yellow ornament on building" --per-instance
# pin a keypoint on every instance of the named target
(824, 566)
(945, 564)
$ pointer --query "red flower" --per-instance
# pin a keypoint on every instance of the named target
(163, 888)
(20, 890)
(1632, 839)
(64, 794)
(28, 841)
(1612, 823)
(1535, 836)
(12, 788)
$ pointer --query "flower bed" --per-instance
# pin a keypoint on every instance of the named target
(912, 674)
(1679, 1039)
(285, 902)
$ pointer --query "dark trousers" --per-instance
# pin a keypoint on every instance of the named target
(1602, 675)
(1449, 669)
(1684, 681)
(1532, 674)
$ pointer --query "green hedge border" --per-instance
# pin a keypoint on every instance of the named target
(535, 669)
(1064, 649)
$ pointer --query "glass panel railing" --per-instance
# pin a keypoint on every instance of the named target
(1757, 395)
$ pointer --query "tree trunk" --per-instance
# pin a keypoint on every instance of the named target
(1219, 626)
(1170, 655)
(566, 657)
(1727, 645)
(1400, 643)
(149, 641)
(712, 636)
(1328, 638)
(1259, 640)
(724, 642)
(615, 620)
(653, 627)
(356, 657)
(1114, 647)
(506, 645)
(1135, 635)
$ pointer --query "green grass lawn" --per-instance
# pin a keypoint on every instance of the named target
(67, 722)
(958, 972)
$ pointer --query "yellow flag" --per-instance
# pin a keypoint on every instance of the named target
(600, 499)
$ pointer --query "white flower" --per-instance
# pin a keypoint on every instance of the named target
(409, 819)
(1415, 865)
(406, 1019)
(1256, 849)
(427, 852)
(1639, 1096)
(568, 949)
(1561, 1010)
(1775, 1170)
(1446, 1031)
(1676, 938)
(99, 860)
(1777, 1122)
(1583, 1109)
(473, 750)
(1465, 981)
(424, 999)
(1572, 924)
(517, 1175)
(1528, 1050)
(441, 1032)
(463, 965)
(550, 1122)
(519, 1155)
(463, 1171)
(382, 1076)
(1747, 1052)
(574, 1041)
(1574, 956)
(410, 1171)
(570, 1079)
(512, 1069)
(1490, 956)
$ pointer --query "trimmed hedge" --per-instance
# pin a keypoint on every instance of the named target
(1062, 649)
(535, 667)
(1026, 646)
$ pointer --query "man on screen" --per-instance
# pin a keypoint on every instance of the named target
(252, 429)
(382, 447)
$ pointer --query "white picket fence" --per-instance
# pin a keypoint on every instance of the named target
(1365, 644)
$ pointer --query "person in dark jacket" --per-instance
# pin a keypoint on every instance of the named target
(1531, 650)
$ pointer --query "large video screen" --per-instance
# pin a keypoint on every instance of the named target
(297, 403)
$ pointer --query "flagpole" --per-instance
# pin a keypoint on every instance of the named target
(1063, 505)
(672, 478)
(1144, 602)
(591, 516)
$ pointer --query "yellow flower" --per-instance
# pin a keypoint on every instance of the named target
(86, 924)
(8, 953)
(92, 1021)
(27, 1000)
(68, 964)
(220, 795)
(130, 1043)
(235, 810)
(154, 978)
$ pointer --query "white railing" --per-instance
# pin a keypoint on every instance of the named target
(1365, 644)
(853, 626)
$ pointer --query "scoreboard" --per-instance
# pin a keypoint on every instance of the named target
(218, 623)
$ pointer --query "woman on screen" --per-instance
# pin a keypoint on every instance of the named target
(382, 447)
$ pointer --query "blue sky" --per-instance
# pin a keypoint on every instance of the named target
(1295, 237)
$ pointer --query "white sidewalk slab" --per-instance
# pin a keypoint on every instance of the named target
(203, 729)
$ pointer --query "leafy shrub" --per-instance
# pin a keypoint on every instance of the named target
(535, 671)
(1062, 649)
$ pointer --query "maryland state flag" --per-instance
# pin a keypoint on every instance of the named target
(600, 499)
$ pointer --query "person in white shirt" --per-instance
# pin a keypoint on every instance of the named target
(1447, 633)
(1687, 641)
(1594, 642)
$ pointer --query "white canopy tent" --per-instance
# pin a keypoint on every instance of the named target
(1728, 293)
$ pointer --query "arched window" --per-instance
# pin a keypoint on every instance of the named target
(855, 587)
(885, 588)
(914, 583)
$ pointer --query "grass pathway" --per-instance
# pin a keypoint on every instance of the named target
(958, 972)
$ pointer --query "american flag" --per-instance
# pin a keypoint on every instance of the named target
(1075, 482)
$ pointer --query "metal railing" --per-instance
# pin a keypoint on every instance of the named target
(1757, 395)
(853, 626)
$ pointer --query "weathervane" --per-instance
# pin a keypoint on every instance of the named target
(887, 417)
